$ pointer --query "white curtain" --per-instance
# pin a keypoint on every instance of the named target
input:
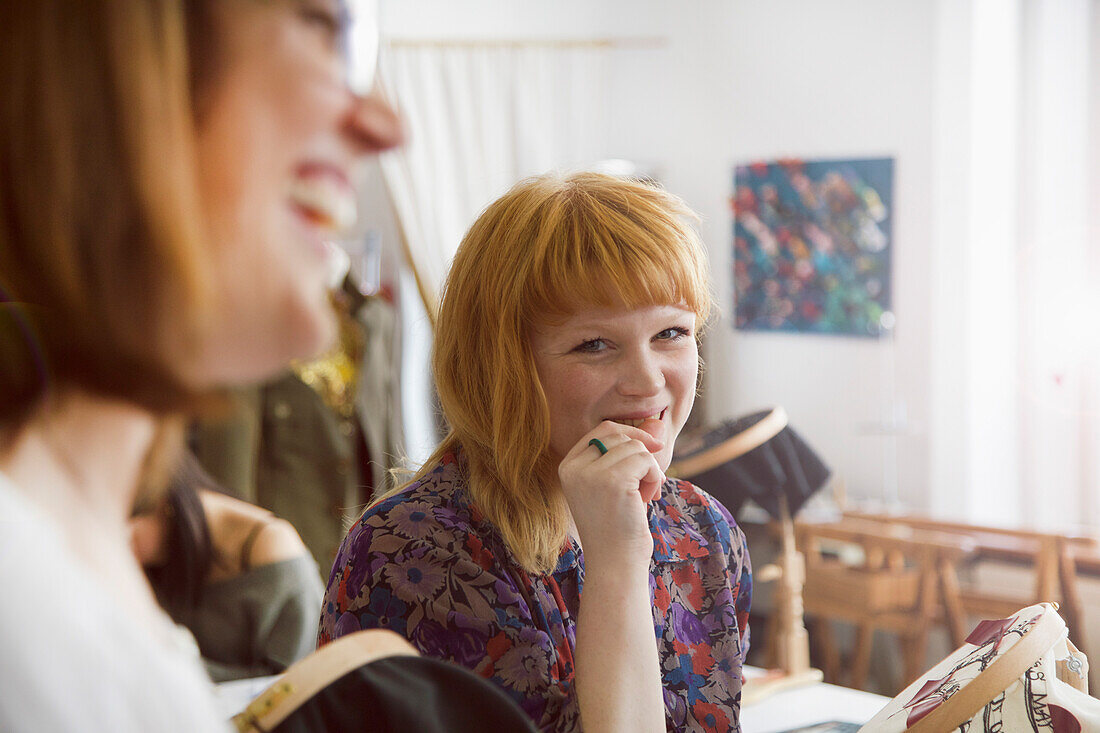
(480, 118)
(1017, 439)
(1058, 268)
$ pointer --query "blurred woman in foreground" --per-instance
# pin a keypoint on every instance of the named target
(542, 545)
(164, 167)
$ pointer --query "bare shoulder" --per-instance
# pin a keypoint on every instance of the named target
(238, 528)
(226, 511)
(277, 541)
(230, 520)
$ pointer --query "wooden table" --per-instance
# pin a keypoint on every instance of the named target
(1056, 560)
(921, 558)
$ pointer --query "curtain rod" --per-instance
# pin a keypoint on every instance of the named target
(621, 42)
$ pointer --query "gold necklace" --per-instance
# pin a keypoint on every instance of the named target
(334, 375)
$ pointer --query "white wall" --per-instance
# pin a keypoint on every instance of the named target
(735, 80)
(747, 80)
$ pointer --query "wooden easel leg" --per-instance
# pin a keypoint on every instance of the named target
(821, 633)
(861, 655)
(916, 652)
(952, 605)
(771, 650)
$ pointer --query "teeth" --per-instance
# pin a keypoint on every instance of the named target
(637, 423)
(338, 263)
(328, 203)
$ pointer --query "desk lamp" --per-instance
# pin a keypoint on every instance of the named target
(760, 457)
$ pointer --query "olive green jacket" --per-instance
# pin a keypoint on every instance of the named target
(284, 449)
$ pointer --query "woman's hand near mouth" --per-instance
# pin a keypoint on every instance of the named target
(607, 493)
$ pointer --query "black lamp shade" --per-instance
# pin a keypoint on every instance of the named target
(758, 457)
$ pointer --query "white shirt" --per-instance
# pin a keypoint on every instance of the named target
(73, 658)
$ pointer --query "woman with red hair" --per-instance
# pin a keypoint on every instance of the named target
(542, 545)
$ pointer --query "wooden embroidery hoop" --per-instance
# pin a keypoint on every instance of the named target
(1005, 669)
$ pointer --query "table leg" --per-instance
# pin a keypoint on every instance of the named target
(861, 654)
(952, 606)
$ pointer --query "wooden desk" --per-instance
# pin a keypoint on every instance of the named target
(934, 550)
(1056, 559)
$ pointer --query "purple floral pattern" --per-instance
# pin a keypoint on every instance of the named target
(426, 564)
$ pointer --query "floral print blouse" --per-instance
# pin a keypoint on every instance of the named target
(426, 564)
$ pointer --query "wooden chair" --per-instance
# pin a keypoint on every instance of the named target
(903, 583)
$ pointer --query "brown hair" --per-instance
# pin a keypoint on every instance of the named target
(101, 268)
(550, 244)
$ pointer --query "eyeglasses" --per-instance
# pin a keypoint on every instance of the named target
(361, 44)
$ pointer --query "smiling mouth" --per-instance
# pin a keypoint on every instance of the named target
(637, 423)
(324, 202)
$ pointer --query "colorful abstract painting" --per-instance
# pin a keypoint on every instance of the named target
(812, 241)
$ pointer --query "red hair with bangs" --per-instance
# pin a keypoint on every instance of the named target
(550, 246)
